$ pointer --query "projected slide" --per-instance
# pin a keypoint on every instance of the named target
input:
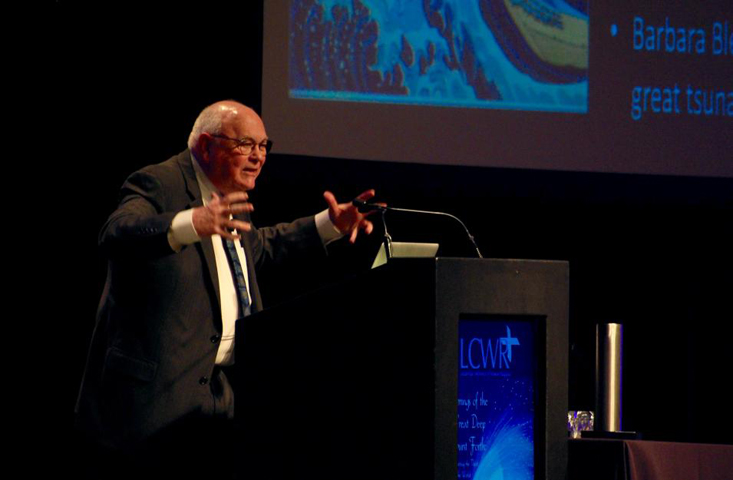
(496, 400)
(498, 54)
(623, 86)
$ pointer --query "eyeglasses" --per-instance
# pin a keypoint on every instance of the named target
(246, 146)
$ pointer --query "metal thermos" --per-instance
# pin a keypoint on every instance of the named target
(609, 351)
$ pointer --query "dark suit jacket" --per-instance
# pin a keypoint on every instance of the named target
(159, 319)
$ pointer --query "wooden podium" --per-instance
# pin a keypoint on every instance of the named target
(359, 380)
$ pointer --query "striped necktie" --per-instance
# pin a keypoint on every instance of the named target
(238, 274)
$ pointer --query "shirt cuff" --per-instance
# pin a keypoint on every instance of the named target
(181, 231)
(326, 229)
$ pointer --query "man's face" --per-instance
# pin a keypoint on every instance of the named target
(230, 168)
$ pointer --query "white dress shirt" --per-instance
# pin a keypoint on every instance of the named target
(182, 232)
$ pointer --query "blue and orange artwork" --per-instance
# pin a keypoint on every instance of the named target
(500, 54)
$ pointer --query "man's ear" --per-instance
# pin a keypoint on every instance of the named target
(203, 146)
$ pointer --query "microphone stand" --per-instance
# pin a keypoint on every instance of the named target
(387, 236)
(366, 207)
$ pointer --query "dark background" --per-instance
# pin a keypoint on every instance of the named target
(123, 86)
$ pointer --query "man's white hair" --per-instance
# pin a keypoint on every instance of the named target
(210, 120)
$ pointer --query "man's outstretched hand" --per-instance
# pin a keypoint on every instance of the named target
(215, 217)
(347, 218)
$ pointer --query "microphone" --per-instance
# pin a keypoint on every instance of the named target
(365, 207)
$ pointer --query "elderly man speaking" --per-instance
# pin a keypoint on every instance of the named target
(183, 259)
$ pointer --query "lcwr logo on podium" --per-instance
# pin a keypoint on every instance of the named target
(487, 354)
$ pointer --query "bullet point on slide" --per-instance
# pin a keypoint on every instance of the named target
(614, 30)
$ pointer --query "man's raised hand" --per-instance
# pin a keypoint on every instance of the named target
(346, 217)
(215, 218)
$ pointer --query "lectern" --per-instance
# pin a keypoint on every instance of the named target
(440, 368)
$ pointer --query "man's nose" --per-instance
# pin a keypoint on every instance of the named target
(257, 155)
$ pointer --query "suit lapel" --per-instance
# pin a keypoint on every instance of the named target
(206, 247)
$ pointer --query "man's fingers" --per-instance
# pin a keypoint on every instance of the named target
(227, 230)
(228, 200)
(366, 195)
(330, 199)
(225, 233)
(225, 209)
(240, 207)
(239, 225)
(235, 197)
(365, 225)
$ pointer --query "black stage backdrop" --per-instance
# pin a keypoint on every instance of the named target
(123, 86)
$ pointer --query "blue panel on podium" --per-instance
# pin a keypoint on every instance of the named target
(499, 386)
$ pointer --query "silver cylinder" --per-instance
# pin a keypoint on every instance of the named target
(609, 351)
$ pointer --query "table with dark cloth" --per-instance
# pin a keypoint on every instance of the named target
(600, 459)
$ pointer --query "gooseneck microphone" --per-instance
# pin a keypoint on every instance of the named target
(365, 207)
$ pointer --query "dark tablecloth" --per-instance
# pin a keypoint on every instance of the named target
(645, 460)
